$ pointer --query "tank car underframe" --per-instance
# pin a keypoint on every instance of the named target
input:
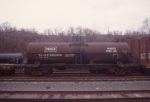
(47, 69)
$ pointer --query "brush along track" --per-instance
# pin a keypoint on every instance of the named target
(74, 77)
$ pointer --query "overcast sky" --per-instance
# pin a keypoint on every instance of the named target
(99, 15)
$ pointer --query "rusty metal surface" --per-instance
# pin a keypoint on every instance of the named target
(135, 48)
(140, 49)
(40, 47)
(103, 47)
(148, 47)
(143, 51)
(67, 48)
(68, 53)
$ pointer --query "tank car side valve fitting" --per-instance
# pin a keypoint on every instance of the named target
(120, 64)
(148, 66)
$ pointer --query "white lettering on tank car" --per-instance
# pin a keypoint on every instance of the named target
(55, 55)
(69, 55)
(41, 56)
(143, 56)
(45, 56)
(49, 49)
(148, 55)
(111, 49)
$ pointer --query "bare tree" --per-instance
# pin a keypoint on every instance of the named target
(6, 26)
(146, 26)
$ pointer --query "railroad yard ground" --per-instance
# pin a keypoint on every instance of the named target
(78, 87)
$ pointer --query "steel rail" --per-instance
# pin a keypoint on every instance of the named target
(74, 78)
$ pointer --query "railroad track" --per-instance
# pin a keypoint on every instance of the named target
(74, 77)
(72, 96)
(92, 88)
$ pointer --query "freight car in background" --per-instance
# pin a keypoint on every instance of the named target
(7, 62)
(15, 58)
(140, 50)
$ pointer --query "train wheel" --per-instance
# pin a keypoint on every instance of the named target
(47, 71)
(28, 71)
(118, 71)
(7, 71)
(145, 71)
(62, 68)
(33, 71)
(93, 71)
(38, 71)
(12, 71)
